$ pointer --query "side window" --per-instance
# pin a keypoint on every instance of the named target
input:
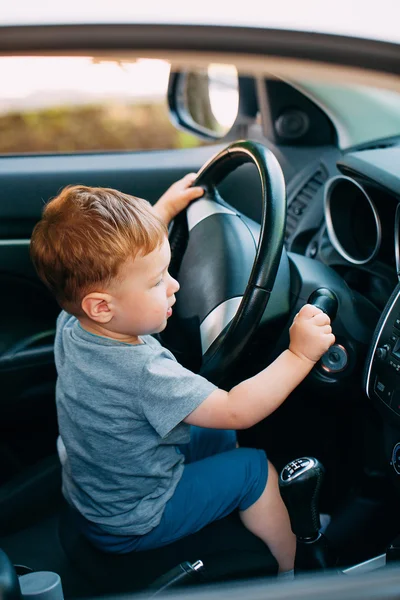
(80, 104)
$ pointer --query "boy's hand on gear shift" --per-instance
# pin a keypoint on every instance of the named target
(311, 333)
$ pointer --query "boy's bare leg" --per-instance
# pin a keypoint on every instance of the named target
(268, 519)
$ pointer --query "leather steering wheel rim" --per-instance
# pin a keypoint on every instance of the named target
(229, 345)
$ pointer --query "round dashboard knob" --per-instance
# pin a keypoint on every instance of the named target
(383, 352)
(335, 360)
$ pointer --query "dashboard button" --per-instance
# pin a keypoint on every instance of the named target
(394, 365)
(382, 390)
(383, 352)
(397, 323)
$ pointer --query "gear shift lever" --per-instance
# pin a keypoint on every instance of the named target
(300, 484)
(326, 301)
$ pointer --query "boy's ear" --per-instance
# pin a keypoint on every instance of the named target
(97, 306)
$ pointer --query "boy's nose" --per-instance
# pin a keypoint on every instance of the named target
(176, 285)
(173, 286)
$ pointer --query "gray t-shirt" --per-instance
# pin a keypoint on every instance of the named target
(120, 410)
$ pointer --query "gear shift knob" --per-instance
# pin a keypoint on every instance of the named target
(300, 483)
(326, 301)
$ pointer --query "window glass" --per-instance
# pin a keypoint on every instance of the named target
(360, 113)
(75, 104)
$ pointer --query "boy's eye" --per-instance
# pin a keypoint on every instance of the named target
(159, 283)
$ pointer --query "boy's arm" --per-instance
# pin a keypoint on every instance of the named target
(254, 399)
(177, 197)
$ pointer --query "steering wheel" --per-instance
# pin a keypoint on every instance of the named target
(225, 275)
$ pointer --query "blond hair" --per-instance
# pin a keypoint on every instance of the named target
(84, 237)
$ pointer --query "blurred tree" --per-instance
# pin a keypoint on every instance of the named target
(105, 127)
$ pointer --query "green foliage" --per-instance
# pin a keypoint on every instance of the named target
(105, 127)
(187, 140)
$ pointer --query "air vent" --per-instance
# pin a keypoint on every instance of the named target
(380, 146)
(302, 200)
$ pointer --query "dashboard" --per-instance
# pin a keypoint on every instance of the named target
(358, 235)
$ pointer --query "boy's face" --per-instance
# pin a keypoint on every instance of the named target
(143, 297)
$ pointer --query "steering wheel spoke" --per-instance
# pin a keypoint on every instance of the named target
(217, 320)
(202, 209)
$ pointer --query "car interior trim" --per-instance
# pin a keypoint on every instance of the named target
(344, 140)
(377, 562)
(233, 40)
(347, 219)
(15, 242)
(377, 165)
(397, 240)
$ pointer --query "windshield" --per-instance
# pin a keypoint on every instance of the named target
(360, 114)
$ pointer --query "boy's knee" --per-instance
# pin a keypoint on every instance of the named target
(272, 472)
(255, 476)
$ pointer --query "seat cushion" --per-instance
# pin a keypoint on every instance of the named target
(226, 548)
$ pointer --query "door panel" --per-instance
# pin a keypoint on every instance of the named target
(28, 313)
(28, 427)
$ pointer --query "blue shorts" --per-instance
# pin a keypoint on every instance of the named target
(217, 479)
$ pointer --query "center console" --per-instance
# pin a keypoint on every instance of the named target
(382, 379)
(382, 375)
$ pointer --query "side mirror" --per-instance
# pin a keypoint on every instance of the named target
(205, 101)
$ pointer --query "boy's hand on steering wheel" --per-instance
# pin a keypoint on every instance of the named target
(177, 198)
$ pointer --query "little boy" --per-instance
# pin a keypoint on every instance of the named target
(148, 448)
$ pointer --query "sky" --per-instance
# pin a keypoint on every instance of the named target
(377, 19)
(43, 82)
(26, 75)
(33, 83)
